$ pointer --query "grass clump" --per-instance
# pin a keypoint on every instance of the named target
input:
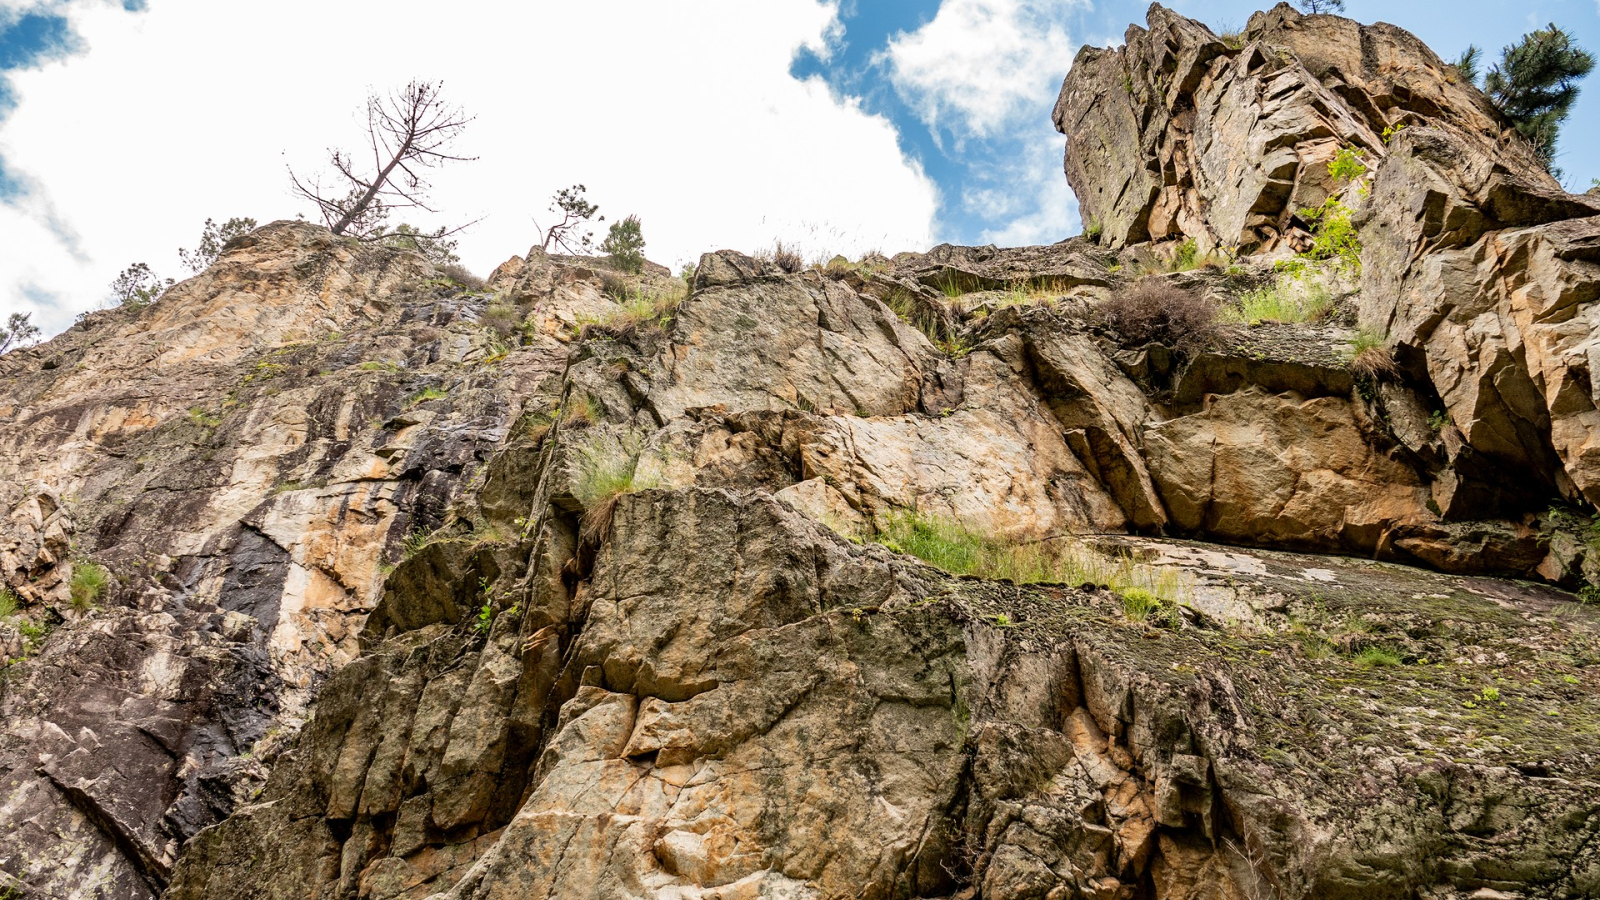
(431, 392)
(607, 468)
(1155, 311)
(961, 550)
(88, 582)
(579, 411)
(1378, 657)
(1369, 357)
(637, 309)
(1280, 303)
(9, 605)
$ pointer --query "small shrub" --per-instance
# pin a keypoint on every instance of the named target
(1334, 236)
(463, 278)
(204, 419)
(1154, 311)
(624, 245)
(1093, 231)
(639, 308)
(607, 469)
(88, 581)
(1438, 419)
(1346, 165)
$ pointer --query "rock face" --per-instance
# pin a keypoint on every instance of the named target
(1180, 133)
(424, 590)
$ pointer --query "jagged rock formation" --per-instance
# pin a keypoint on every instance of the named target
(325, 479)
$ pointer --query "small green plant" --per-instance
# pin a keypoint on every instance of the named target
(376, 366)
(624, 245)
(8, 604)
(1438, 419)
(1378, 657)
(950, 287)
(1138, 604)
(1187, 257)
(204, 419)
(485, 617)
(1093, 230)
(638, 308)
(1389, 131)
(88, 581)
(1490, 695)
(415, 543)
(1334, 236)
(1347, 165)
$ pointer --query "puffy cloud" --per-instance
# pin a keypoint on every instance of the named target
(684, 114)
(980, 65)
(1029, 194)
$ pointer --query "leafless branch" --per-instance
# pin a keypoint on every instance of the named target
(409, 132)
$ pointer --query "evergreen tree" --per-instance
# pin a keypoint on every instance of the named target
(18, 331)
(1320, 7)
(624, 243)
(1535, 85)
(1467, 63)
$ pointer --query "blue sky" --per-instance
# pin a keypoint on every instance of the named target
(837, 125)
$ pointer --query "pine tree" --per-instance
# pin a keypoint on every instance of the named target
(624, 243)
(1320, 7)
(1535, 85)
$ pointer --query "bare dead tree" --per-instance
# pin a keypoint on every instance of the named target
(408, 133)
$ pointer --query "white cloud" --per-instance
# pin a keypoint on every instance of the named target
(1030, 194)
(982, 63)
(684, 114)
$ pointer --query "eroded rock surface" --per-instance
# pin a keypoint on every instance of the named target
(373, 630)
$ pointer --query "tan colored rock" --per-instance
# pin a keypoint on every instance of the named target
(1274, 469)
(999, 463)
(1492, 296)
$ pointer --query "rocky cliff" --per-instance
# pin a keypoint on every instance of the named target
(979, 573)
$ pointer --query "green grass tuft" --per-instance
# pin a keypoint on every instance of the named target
(607, 468)
(9, 605)
(960, 550)
(1378, 657)
(88, 582)
(1280, 303)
